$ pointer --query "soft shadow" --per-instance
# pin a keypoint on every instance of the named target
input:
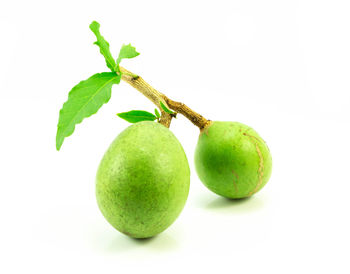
(120, 243)
(243, 205)
(222, 202)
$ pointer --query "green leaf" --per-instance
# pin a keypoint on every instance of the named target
(165, 108)
(157, 113)
(135, 116)
(127, 51)
(84, 100)
(104, 46)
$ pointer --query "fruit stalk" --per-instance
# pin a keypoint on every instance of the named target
(155, 96)
(196, 119)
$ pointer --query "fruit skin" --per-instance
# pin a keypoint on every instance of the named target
(232, 160)
(143, 180)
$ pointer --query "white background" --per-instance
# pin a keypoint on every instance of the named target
(281, 67)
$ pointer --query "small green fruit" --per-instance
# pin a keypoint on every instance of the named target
(232, 160)
(143, 180)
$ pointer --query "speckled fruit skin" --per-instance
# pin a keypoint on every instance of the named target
(232, 160)
(143, 180)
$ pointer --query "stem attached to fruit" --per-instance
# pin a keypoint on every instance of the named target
(155, 96)
(196, 119)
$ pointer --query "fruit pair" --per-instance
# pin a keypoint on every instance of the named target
(143, 180)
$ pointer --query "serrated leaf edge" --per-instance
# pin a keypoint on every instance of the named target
(59, 144)
(95, 28)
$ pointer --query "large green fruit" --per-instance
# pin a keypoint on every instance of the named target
(232, 160)
(143, 180)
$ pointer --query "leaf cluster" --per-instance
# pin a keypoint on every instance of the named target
(87, 97)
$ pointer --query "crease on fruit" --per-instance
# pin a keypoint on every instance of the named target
(235, 180)
(255, 140)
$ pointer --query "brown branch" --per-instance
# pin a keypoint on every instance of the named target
(196, 119)
(147, 90)
(155, 96)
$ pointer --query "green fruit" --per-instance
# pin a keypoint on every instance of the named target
(143, 180)
(232, 160)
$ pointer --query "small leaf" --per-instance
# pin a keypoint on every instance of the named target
(84, 100)
(127, 51)
(135, 116)
(157, 113)
(165, 108)
(104, 46)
